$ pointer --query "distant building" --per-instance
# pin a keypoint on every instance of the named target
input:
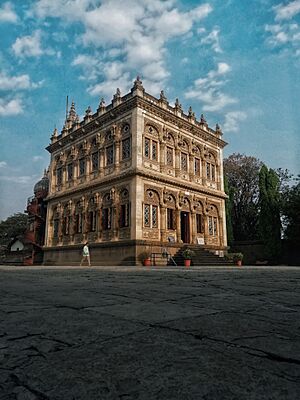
(35, 233)
(137, 174)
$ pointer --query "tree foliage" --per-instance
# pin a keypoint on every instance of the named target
(291, 213)
(242, 173)
(269, 212)
(13, 226)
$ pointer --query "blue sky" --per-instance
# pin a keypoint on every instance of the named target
(238, 62)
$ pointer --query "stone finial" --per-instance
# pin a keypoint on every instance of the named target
(162, 97)
(190, 111)
(72, 113)
(102, 106)
(88, 111)
(138, 84)
(117, 95)
(218, 129)
(202, 119)
(54, 135)
(177, 105)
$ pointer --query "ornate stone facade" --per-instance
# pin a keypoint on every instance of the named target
(136, 174)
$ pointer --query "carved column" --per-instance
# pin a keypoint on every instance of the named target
(191, 167)
(178, 226)
(193, 227)
(117, 155)
(177, 162)
(163, 223)
(162, 154)
(101, 161)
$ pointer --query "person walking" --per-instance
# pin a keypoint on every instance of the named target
(86, 254)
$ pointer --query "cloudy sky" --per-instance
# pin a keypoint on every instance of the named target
(238, 62)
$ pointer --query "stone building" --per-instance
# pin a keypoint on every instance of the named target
(135, 175)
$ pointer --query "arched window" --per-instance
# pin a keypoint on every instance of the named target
(151, 209)
(210, 167)
(126, 142)
(109, 149)
(124, 209)
(151, 143)
(170, 151)
(107, 212)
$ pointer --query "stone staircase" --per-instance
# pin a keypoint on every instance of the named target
(201, 257)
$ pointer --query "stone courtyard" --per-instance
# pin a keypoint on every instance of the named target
(71, 333)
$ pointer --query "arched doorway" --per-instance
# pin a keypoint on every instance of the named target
(185, 226)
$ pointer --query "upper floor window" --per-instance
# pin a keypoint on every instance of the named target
(81, 166)
(170, 157)
(78, 223)
(110, 155)
(210, 171)
(95, 161)
(126, 148)
(151, 149)
(197, 165)
(70, 172)
(184, 162)
(59, 176)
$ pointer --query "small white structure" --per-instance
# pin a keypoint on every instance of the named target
(17, 245)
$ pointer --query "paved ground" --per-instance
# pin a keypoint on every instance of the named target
(136, 333)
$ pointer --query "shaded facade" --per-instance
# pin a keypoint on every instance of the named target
(35, 233)
(135, 175)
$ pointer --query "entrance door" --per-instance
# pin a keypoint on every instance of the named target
(185, 226)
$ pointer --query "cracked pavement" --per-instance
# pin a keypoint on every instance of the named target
(70, 333)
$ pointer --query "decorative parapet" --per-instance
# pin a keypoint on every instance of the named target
(133, 99)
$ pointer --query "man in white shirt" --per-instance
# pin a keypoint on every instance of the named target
(85, 254)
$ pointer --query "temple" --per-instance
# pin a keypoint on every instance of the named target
(137, 175)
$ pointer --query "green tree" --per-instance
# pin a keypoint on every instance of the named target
(228, 208)
(269, 215)
(291, 213)
(13, 226)
(242, 174)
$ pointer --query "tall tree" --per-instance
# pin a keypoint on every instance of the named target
(291, 213)
(13, 226)
(269, 215)
(242, 173)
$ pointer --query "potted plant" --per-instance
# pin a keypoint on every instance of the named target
(187, 255)
(145, 257)
(237, 258)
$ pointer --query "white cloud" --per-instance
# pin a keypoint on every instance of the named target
(10, 107)
(232, 120)
(37, 158)
(3, 164)
(285, 34)
(28, 46)
(25, 179)
(212, 39)
(208, 91)
(7, 13)
(287, 11)
(20, 82)
(136, 31)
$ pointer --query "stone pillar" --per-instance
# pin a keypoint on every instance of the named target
(177, 162)
(203, 172)
(193, 227)
(191, 167)
(162, 154)
(178, 226)
(101, 161)
(117, 155)
(163, 223)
